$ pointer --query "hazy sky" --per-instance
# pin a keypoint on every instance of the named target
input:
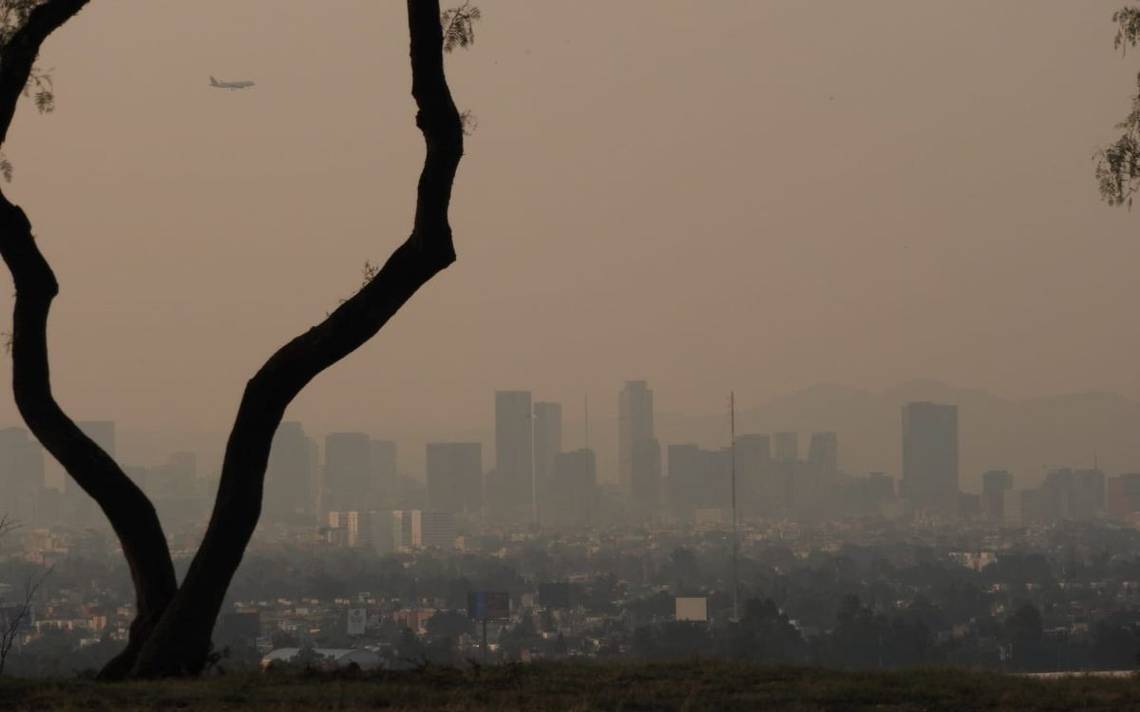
(710, 195)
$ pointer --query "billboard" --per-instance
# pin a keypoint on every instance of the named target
(488, 605)
(357, 621)
(692, 608)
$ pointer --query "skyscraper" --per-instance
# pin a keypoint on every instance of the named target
(930, 456)
(513, 494)
(348, 469)
(383, 473)
(289, 478)
(698, 480)
(756, 490)
(823, 453)
(454, 477)
(547, 446)
(995, 483)
(21, 476)
(639, 454)
(785, 447)
(575, 488)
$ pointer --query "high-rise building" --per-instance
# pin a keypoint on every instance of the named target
(21, 476)
(995, 483)
(699, 480)
(823, 453)
(408, 529)
(1123, 497)
(454, 478)
(684, 480)
(639, 454)
(436, 530)
(547, 446)
(575, 488)
(289, 478)
(513, 496)
(384, 474)
(756, 490)
(785, 447)
(1066, 494)
(930, 457)
(348, 470)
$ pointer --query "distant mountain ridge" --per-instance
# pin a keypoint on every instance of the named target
(1024, 436)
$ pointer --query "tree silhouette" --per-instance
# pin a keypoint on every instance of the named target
(1118, 164)
(171, 633)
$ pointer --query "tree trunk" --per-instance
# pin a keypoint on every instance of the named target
(130, 513)
(180, 642)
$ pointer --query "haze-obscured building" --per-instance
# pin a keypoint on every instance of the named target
(454, 478)
(575, 488)
(930, 457)
(348, 470)
(547, 446)
(513, 486)
(384, 473)
(639, 453)
(995, 484)
(21, 476)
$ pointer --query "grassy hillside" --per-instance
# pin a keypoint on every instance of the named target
(680, 686)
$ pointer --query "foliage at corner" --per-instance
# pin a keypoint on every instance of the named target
(13, 15)
(1118, 164)
(459, 26)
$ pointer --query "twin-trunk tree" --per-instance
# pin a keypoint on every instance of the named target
(171, 632)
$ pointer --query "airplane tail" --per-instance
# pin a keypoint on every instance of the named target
(213, 82)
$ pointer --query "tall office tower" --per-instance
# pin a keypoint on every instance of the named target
(639, 454)
(1123, 496)
(646, 486)
(995, 483)
(684, 480)
(316, 478)
(79, 508)
(823, 453)
(348, 466)
(454, 474)
(785, 447)
(547, 445)
(383, 473)
(513, 495)
(699, 480)
(575, 487)
(436, 530)
(1088, 494)
(21, 476)
(1066, 494)
(755, 492)
(289, 477)
(930, 457)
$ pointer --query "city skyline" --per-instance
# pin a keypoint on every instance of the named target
(893, 254)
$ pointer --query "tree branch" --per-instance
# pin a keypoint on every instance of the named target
(18, 55)
(131, 514)
(180, 642)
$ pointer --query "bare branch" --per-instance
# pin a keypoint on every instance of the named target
(13, 619)
(181, 640)
(130, 513)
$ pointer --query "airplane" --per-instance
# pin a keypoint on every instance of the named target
(229, 85)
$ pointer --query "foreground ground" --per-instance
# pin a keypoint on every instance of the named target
(627, 687)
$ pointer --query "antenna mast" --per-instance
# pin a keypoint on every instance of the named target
(586, 401)
(735, 545)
